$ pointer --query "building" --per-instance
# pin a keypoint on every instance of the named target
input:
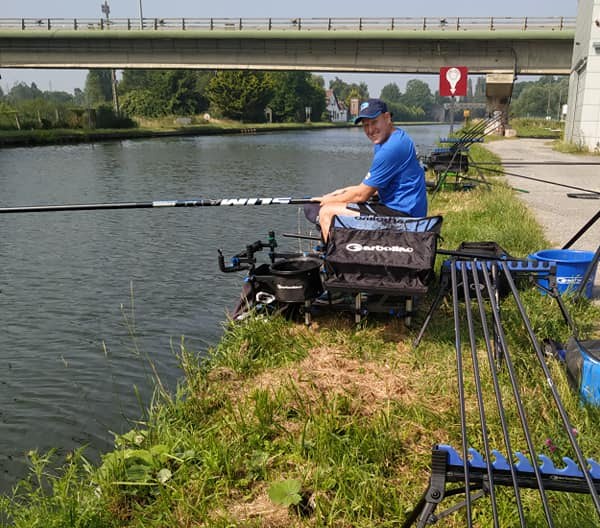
(337, 109)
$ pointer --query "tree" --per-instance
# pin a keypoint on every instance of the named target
(98, 87)
(58, 97)
(390, 93)
(78, 97)
(418, 95)
(154, 93)
(177, 90)
(541, 98)
(141, 103)
(135, 80)
(293, 92)
(240, 94)
(22, 92)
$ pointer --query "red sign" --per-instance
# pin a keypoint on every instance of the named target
(453, 81)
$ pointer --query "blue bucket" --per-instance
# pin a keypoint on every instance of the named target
(571, 265)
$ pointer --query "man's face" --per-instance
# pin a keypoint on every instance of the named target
(379, 128)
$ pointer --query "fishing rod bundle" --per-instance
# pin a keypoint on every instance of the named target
(481, 470)
(454, 159)
(589, 192)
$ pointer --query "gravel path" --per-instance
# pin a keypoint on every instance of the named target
(560, 216)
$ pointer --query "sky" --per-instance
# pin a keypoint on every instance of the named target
(68, 80)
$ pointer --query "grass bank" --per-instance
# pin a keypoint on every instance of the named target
(280, 425)
(150, 128)
(147, 129)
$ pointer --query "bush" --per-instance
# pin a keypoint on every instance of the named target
(106, 118)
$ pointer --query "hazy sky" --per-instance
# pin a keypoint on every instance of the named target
(69, 79)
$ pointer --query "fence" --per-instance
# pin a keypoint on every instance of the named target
(450, 24)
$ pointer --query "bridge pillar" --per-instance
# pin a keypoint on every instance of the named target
(583, 116)
(498, 90)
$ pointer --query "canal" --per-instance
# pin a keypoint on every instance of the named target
(89, 300)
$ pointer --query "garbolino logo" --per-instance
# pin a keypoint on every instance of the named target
(354, 247)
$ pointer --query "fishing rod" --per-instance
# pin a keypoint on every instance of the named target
(535, 179)
(477, 180)
(516, 162)
(161, 203)
(478, 132)
(583, 230)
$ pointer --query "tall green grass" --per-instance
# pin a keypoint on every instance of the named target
(280, 425)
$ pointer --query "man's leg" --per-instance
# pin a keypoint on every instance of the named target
(328, 211)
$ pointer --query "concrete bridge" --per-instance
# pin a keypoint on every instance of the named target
(501, 48)
(400, 45)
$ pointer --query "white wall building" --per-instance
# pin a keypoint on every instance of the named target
(582, 126)
(337, 109)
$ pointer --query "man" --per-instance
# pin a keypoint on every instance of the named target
(396, 175)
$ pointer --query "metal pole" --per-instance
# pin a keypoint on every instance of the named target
(115, 95)
(452, 107)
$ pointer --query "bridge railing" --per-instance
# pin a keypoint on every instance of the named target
(450, 24)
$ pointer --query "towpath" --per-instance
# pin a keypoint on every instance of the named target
(560, 216)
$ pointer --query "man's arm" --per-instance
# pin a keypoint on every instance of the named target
(354, 194)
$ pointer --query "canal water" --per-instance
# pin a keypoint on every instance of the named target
(89, 300)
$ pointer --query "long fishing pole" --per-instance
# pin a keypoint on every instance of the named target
(161, 203)
(477, 133)
(478, 387)
(477, 180)
(496, 383)
(583, 230)
(478, 128)
(516, 162)
(514, 382)
(535, 179)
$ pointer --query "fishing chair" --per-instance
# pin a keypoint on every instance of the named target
(383, 260)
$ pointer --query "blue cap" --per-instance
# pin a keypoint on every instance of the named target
(371, 109)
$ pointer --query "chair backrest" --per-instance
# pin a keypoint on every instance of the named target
(382, 253)
(394, 223)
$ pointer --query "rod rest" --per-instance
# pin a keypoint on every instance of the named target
(461, 140)
(516, 266)
(245, 260)
(523, 467)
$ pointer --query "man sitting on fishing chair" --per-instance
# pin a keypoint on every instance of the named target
(395, 176)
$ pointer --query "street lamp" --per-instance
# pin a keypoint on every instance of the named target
(141, 16)
(113, 74)
(105, 9)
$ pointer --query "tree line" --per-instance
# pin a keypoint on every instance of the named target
(243, 95)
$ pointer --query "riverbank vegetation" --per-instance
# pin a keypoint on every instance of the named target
(280, 425)
(244, 96)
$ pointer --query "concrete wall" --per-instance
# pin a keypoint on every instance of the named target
(583, 118)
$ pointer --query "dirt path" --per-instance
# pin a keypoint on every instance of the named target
(560, 216)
